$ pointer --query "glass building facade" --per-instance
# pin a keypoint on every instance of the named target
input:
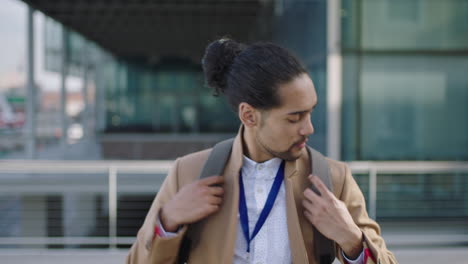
(167, 98)
(404, 93)
(405, 98)
(404, 80)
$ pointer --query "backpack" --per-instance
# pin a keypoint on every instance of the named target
(324, 248)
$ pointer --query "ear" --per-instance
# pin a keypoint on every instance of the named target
(248, 115)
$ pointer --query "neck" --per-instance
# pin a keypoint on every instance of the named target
(252, 149)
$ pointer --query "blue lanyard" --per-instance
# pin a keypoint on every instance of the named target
(244, 218)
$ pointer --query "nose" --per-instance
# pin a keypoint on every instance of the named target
(308, 128)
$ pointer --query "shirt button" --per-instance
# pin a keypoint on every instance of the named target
(259, 190)
(260, 167)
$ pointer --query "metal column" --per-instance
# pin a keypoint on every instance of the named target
(85, 115)
(63, 94)
(112, 207)
(373, 193)
(334, 79)
(31, 90)
(100, 95)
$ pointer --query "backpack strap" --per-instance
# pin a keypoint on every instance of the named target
(214, 165)
(217, 159)
(324, 247)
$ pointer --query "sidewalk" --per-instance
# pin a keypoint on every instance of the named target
(432, 255)
(428, 242)
(425, 233)
(24, 256)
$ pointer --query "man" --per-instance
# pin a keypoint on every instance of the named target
(261, 209)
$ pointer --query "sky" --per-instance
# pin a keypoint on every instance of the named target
(13, 14)
(12, 35)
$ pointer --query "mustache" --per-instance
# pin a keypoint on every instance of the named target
(301, 141)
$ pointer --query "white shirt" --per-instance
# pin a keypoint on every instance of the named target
(271, 245)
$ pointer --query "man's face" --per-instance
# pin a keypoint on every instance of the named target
(284, 130)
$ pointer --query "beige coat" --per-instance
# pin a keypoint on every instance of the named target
(218, 234)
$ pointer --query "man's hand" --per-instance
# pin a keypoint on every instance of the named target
(331, 217)
(193, 202)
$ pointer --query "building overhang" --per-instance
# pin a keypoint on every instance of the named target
(151, 30)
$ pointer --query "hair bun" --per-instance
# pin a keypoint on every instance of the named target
(218, 58)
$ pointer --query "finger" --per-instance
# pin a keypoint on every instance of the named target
(311, 195)
(212, 208)
(212, 180)
(218, 191)
(309, 216)
(313, 187)
(308, 205)
(215, 200)
(320, 185)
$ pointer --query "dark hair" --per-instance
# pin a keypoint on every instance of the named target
(249, 73)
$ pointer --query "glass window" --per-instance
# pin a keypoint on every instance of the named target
(405, 25)
(410, 108)
(404, 11)
(216, 115)
(404, 83)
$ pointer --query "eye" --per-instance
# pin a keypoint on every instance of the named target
(294, 119)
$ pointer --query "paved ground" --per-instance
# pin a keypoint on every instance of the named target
(412, 242)
(20, 256)
(433, 255)
(458, 255)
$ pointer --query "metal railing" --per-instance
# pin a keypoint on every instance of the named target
(396, 167)
(113, 168)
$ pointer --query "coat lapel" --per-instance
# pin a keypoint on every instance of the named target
(231, 175)
(217, 244)
(300, 183)
(293, 210)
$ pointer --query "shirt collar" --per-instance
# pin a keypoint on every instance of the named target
(264, 170)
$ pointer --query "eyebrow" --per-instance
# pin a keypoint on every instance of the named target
(302, 112)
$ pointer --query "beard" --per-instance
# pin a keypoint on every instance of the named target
(287, 155)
